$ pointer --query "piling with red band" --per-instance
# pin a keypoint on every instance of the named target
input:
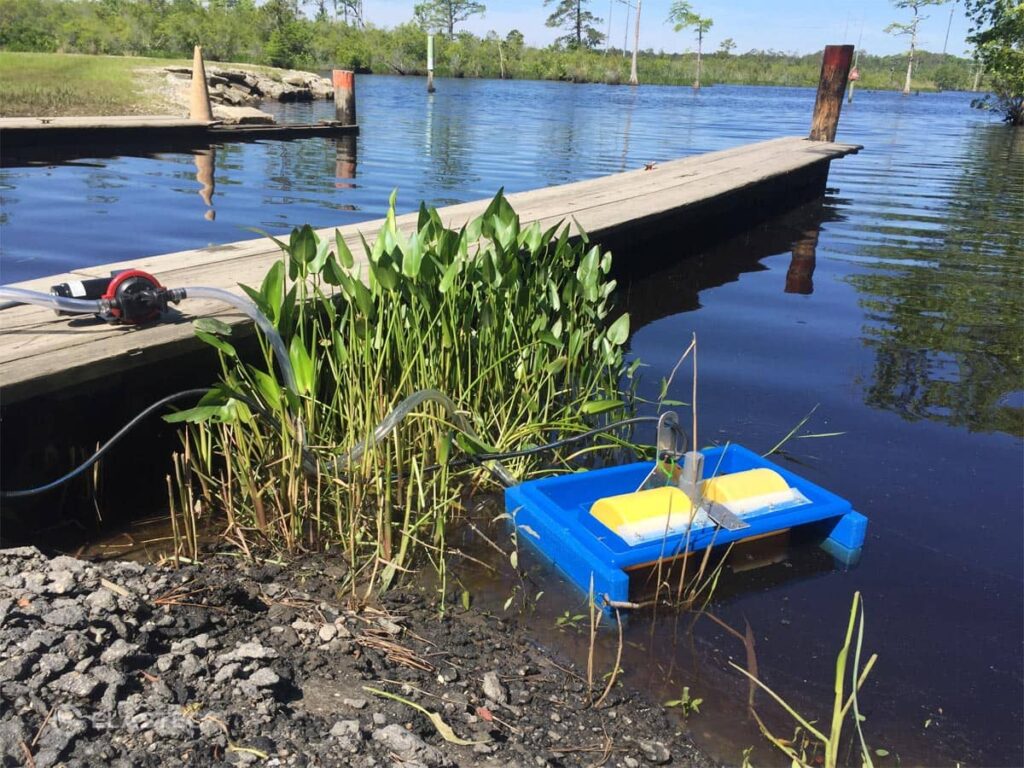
(835, 68)
(344, 81)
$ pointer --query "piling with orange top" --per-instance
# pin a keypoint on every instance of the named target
(344, 81)
(199, 97)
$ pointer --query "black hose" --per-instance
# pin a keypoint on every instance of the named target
(105, 447)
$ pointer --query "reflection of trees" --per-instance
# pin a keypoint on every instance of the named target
(948, 312)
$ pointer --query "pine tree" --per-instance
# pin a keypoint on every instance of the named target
(579, 24)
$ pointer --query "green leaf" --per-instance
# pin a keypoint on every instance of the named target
(302, 366)
(272, 289)
(217, 342)
(465, 598)
(323, 252)
(618, 332)
(601, 406)
(267, 385)
(473, 445)
(882, 752)
(556, 366)
(442, 727)
(212, 325)
(258, 300)
(344, 254)
(197, 415)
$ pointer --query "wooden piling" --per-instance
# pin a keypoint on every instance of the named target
(430, 64)
(199, 97)
(344, 81)
(835, 69)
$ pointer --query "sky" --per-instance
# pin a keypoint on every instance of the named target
(803, 26)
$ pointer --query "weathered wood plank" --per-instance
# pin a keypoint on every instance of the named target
(40, 352)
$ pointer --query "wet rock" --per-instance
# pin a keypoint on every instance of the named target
(53, 664)
(77, 684)
(408, 747)
(346, 729)
(71, 616)
(654, 751)
(17, 668)
(264, 678)
(61, 583)
(227, 672)
(493, 689)
(118, 651)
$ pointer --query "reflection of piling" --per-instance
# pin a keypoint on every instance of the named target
(800, 277)
(835, 68)
(344, 96)
(204, 160)
(199, 97)
(344, 160)
(430, 64)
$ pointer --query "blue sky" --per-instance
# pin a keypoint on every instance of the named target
(803, 26)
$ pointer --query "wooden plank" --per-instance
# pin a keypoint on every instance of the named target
(41, 352)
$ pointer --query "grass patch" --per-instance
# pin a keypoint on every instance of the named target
(55, 84)
(66, 84)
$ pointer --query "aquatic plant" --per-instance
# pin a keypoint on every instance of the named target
(512, 323)
(843, 702)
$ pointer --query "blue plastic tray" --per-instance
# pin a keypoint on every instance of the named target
(553, 514)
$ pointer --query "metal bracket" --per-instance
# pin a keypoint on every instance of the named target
(725, 517)
(670, 445)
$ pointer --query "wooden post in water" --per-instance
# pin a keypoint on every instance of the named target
(344, 96)
(430, 64)
(835, 68)
(199, 96)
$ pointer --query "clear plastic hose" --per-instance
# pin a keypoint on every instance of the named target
(403, 409)
(245, 305)
(59, 303)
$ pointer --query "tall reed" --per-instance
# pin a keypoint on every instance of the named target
(513, 323)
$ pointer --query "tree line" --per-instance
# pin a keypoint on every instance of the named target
(278, 33)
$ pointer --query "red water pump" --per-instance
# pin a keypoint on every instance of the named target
(128, 296)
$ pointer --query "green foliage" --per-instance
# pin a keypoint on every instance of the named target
(512, 323)
(844, 701)
(240, 31)
(443, 15)
(687, 704)
(579, 24)
(998, 32)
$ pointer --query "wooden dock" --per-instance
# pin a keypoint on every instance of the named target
(83, 136)
(630, 212)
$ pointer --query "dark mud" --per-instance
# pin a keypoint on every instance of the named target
(229, 663)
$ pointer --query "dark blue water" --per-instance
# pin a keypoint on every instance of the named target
(895, 305)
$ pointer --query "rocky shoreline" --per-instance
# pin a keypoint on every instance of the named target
(233, 663)
(236, 92)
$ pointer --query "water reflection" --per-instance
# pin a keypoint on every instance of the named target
(205, 161)
(800, 275)
(675, 287)
(344, 161)
(944, 299)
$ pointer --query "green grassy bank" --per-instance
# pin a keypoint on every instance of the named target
(49, 84)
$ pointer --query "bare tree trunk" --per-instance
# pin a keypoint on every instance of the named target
(910, 61)
(700, 43)
(633, 79)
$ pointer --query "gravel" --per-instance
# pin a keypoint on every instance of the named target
(226, 664)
